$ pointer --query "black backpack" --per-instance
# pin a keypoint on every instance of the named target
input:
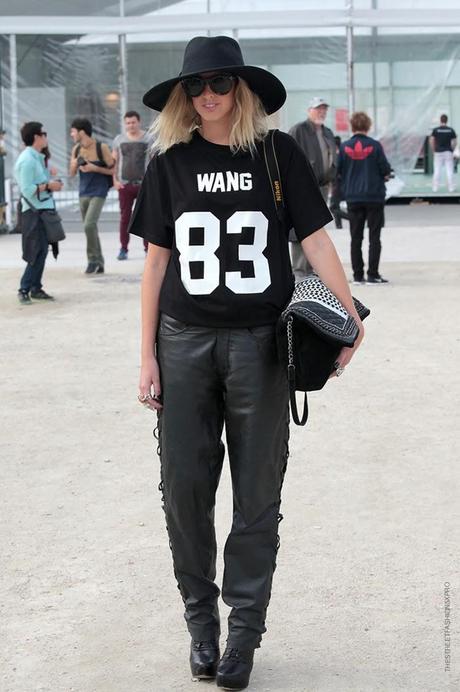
(100, 158)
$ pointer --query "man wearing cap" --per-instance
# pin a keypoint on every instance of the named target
(317, 142)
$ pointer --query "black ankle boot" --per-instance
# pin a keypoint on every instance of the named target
(234, 668)
(204, 657)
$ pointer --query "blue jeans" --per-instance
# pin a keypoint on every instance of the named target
(32, 277)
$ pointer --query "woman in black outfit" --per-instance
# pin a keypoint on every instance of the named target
(216, 278)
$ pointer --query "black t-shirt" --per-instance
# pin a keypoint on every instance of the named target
(443, 136)
(230, 264)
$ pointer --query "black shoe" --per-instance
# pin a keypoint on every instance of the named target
(40, 295)
(24, 298)
(204, 657)
(234, 669)
(376, 280)
(94, 268)
(357, 280)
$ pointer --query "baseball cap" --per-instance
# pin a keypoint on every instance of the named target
(317, 101)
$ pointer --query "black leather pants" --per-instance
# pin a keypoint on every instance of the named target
(211, 377)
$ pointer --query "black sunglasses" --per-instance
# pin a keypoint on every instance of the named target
(219, 84)
(43, 134)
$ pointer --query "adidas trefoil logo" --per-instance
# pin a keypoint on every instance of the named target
(359, 153)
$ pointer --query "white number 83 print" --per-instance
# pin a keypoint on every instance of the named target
(205, 253)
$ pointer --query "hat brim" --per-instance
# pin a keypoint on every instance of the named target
(263, 83)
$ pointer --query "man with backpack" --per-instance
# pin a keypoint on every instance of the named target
(130, 151)
(94, 163)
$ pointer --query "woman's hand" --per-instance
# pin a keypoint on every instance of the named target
(347, 353)
(149, 384)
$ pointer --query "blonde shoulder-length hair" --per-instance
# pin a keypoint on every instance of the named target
(178, 120)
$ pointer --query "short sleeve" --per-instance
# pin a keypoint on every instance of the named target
(433, 132)
(306, 207)
(116, 142)
(152, 218)
(454, 136)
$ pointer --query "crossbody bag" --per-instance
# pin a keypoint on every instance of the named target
(51, 221)
(314, 326)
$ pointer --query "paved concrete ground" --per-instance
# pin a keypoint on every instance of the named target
(372, 519)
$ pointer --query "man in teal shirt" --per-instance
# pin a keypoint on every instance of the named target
(36, 191)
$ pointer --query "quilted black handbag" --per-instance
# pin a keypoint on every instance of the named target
(312, 331)
(314, 326)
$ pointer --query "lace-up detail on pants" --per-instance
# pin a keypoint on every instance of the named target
(161, 489)
(213, 378)
(201, 646)
(232, 653)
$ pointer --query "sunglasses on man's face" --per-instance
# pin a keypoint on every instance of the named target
(219, 84)
(44, 134)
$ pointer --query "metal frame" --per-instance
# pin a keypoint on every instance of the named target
(155, 24)
(348, 19)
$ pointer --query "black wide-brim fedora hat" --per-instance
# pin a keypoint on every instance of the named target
(220, 54)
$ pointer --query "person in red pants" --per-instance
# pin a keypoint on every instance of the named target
(130, 151)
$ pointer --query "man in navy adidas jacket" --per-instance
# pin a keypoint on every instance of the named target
(363, 169)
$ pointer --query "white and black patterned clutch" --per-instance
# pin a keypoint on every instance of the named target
(312, 330)
(315, 304)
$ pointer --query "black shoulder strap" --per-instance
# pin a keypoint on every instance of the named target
(77, 150)
(99, 153)
(295, 413)
(273, 171)
(29, 203)
(35, 208)
(271, 163)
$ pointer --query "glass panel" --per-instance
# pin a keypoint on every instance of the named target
(404, 77)
(58, 81)
(405, 83)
